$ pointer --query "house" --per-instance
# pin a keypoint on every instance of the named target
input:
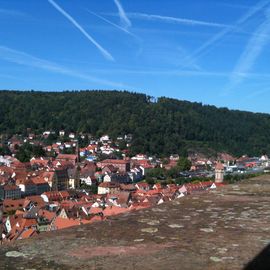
(172, 163)
(108, 187)
(41, 185)
(136, 174)
(51, 196)
(183, 190)
(87, 174)
(71, 135)
(194, 188)
(157, 186)
(6, 160)
(105, 139)
(11, 221)
(46, 133)
(28, 187)
(122, 165)
(49, 177)
(140, 157)
(39, 162)
(127, 187)
(35, 200)
(142, 186)
(10, 205)
(89, 180)
(67, 157)
(70, 144)
(22, 228)
(117, 178)
(109, 169)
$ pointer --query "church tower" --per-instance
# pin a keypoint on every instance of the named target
(77, 168)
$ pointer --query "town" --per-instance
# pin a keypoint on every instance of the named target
(57, 180)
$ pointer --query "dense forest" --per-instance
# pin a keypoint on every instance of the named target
(159, 126)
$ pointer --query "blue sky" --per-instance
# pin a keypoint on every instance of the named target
(214, 52)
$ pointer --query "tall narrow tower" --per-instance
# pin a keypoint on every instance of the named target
(1, 222)
(219, 173)
(77, 151)
(77, 168)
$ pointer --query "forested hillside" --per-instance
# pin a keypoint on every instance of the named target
(162, 126)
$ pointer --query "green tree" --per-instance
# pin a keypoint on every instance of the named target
(184, 164)
(27, 151)
(4, 150)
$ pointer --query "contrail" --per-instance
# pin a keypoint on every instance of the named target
(25, 59)
(113, 24)
(168, 19)
(229, 29)
(252, 51)
(11, 12)
(122, 14)
(105, 53)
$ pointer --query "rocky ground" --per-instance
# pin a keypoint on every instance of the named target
(223, 229)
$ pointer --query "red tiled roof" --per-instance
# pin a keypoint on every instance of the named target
(36, 199)
(10, 204)
(115, 161)
(219, 166)
(153, 192)
(28, 233)
(114, 210)
(62, 223)
(95, 210)
(109, 185)
(47, 214)
(142, 185)
(67, 156)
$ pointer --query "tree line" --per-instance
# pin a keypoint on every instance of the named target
(159, 126)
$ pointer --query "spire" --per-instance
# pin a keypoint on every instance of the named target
(78, 151)
(1, 222)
